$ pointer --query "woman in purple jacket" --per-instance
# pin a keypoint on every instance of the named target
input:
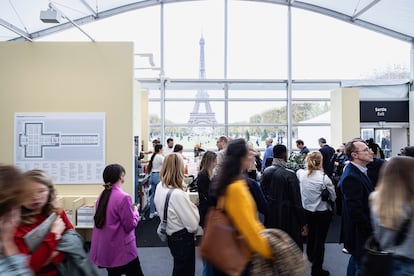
(113, 243)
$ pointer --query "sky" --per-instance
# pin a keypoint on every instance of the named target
(323, 47)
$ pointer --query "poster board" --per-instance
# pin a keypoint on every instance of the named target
(70, 147)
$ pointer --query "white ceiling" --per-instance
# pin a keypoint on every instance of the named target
(19, 19)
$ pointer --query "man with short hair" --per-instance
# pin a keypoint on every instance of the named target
(327, 154)
(170, 146)
(282, 191)
(356, 186)
(301, 145)
(221, 144)
(268, 153)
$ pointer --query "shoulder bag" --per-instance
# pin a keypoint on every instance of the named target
(325, 191)
(376, 261)
(222, 246)
(162, 227)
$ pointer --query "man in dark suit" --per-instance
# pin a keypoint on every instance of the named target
(327, 154)
(282, 191)
(356, 186)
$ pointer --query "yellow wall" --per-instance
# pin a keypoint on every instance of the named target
(344, 115)
(70, 77)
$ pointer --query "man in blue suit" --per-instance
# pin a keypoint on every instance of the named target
(356, 187)
(327, 154)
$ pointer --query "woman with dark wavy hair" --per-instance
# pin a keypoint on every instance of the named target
(230, 188)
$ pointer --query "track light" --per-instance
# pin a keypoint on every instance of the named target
(54, 15)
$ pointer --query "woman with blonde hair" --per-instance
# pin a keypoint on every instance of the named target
(392, 206)
(318, 214)
(44, 260)
(182, 215)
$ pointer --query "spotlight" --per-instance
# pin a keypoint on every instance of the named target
(50, 16)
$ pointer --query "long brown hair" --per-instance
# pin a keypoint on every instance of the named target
(39, 176)
(13, 189)
(395, 190)
(208, 162)
(314, 161)
(172, 172)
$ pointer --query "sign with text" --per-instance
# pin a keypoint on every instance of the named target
(381, 111)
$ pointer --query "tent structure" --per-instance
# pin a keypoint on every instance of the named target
(20, 20)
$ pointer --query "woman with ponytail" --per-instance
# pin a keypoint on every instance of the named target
(113, 244)
(318, 214)
(154, 168)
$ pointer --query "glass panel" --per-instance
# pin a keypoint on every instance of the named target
(317, 112)
(154, 110)
(258, 134)
(202, 113)
(257, 94)
(367, 133)
(382, 138)
(154, 94)
(185, 136)
(269, 112)
(310, 135)
(327, 48)
(191, 94)
(311, 94)
(197, 19)
(257, 40)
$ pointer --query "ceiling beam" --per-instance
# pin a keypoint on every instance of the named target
(89, 8)
(15, 30)
(364, 10)
(149, 3)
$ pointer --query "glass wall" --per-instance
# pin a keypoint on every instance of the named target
(223, 68)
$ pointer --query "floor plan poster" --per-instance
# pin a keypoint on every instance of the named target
(70, 147)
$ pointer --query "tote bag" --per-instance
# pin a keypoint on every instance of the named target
(222, 246)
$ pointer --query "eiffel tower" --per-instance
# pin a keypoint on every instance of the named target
(203, 119)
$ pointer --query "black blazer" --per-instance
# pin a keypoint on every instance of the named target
(356, 224)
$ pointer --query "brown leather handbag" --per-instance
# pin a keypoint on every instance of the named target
(222, 246)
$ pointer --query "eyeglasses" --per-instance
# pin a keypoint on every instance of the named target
(367, 149)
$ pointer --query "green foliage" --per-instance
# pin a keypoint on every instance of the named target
(296, 161)
(264, 134)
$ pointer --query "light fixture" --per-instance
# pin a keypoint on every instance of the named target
(50, 15)
(54, 15)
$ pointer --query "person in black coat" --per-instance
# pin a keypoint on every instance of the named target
(258, 196)
(356, 186)
(373, 170)
(207, 164)
(327, 154)
(281, 189)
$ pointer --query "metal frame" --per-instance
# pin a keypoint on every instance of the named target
(297, 4)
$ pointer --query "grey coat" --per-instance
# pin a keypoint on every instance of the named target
(77, 262)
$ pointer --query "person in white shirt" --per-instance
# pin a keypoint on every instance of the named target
(318, 214)
(154, 168)
(182, 215)
(170, 146)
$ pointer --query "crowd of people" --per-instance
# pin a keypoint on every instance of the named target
(374, 198)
